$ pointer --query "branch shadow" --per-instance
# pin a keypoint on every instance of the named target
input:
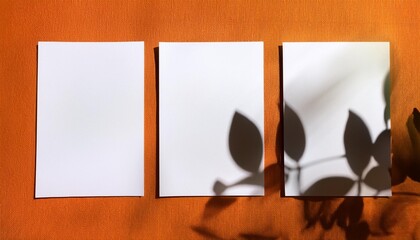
(358, 146)
(328, 211)
(218, 204)
(215, 205)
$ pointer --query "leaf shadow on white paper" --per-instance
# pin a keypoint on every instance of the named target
(347, 213)
(358, 151)
(246, 149)
(359, 148)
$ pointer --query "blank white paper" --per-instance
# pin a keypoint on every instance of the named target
(211, 119)
(90, 119)
(336, 118)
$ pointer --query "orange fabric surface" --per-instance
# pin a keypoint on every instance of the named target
(24, 23)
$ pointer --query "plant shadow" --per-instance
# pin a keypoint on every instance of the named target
(246, 148)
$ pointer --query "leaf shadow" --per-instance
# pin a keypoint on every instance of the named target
(294, 133)
(357, 143)
(382, 149)
(412, 170)
(346, 213)
(330, 186)
(245, 143)
(246, 148)
(378, 178)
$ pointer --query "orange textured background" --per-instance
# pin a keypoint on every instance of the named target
(24, 23)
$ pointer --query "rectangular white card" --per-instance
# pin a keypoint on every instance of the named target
(336, 118)
(211, 118)
(90, 118)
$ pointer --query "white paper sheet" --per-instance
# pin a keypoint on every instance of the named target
(211, 118)
(338, 92)
(90, 119)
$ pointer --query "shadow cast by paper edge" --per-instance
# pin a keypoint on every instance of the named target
(157, 178)
(280, 128)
